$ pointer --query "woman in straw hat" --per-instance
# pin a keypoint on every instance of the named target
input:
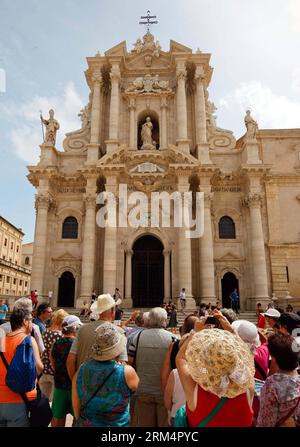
(216, 370)
(102, 387)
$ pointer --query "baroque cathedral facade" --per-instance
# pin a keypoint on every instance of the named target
(251, 187)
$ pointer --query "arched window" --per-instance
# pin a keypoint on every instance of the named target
(27, 260)
(226, 228)
(70, 228)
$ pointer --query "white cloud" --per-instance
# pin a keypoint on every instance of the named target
(26, 135)
(294, 11)
(268, 108)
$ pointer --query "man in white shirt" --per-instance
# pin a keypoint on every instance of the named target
(182, 298)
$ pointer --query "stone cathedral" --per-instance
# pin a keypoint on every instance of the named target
(150, 124)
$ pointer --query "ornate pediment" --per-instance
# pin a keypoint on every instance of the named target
(118, 50)
(176, 47)
(149, 84)
(65, 256)
(229, 257)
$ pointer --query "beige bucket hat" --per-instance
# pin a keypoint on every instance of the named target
(220, 362)
(109, 342)
(104, 302)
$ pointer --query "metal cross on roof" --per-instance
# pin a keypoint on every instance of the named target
(148, 23)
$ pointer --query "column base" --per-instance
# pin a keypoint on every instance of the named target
(184, 145)
(127, 303)
(203, 154)
(111, 145)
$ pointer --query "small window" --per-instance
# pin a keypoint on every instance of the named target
(11, 245)
(226, 228)
(15, 281)
(70, 228)
(26, 283)
(27, 260)
(17, 249)
(0, 277)
(8, 279)
(5, 242)
(21, 282)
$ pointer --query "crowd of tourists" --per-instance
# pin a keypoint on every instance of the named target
(218, 371)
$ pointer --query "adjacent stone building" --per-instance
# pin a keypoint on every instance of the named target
(149, 124)
(14, 276)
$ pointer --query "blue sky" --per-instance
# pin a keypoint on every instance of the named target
(255, 49)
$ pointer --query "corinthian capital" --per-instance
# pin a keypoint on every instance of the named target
(42, 201)
(97, 77)
(181, 74)
(252, 200)
(90, 200)
(199, 74)
(208, 199)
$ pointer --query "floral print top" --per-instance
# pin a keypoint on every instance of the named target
(278, 397)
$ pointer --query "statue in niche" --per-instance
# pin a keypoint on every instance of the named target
(146, 135)
(52, 126)
(251, 126)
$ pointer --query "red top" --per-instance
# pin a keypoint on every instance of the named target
(234, 413)
(261, 323)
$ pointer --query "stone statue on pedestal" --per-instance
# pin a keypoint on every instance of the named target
(251, 126)
(146, 135)
(52, 126)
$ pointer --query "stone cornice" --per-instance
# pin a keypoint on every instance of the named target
(278, 133)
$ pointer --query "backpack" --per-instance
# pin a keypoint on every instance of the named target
(22, 373)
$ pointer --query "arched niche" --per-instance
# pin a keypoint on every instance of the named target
(155, 130)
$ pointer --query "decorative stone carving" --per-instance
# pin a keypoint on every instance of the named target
(90, 200)
(251, 126)
(217, 137)
(115, 74)
(52, 126)
(147, 167)
(78, 139)
(148, 84)
(147, 44)
(181, 74)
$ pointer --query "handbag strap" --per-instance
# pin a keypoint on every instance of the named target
(99, 387)
(290, 413)
(136, 349)
(214, 412)
(260, 370)
(4, 360)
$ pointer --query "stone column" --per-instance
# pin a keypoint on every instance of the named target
(42, 204)
(167, 275)
(110, 245)
(113, 141)
(132, 124)
(207, 272)
(260, 279)
(184, 253)
(200, 114)
(182, 140)
(163, 124)
(93, 147)
(89, 244)
(128, 279)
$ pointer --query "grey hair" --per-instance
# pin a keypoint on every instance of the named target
(23, 303)
(229, 314)
(158, 318)
(146, 319)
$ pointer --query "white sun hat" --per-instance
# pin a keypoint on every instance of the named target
(104, 302)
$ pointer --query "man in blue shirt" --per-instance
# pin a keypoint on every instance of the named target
(3, 311)
(235, 301)
(44, 313)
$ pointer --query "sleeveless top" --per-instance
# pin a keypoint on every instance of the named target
(178, 398)
(6, 394)
(234, 413)
(110, 406)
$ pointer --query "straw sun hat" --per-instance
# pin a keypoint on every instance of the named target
(220, 362)
(109, 342)
(103, 303)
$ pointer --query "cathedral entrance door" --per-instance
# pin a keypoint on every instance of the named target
(147, 272)
(66, 290)
(229, 283)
